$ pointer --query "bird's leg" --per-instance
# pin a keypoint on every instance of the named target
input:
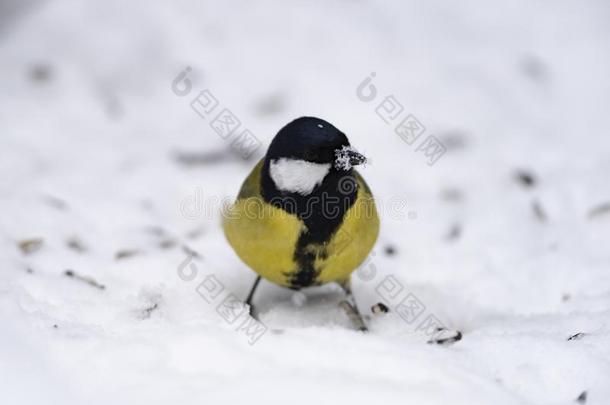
(253, 313)
(350, 307)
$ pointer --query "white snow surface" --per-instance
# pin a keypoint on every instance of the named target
(89, 133)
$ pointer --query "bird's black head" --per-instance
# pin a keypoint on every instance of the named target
(314, 140)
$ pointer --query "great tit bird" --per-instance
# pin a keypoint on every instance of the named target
(304, 216)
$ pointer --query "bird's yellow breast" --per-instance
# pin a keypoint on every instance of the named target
(265, 237)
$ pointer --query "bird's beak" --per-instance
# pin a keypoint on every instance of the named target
(356, 158)
(347, 156)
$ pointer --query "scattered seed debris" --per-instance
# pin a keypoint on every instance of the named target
(599, 210)
(566, 297)
(191, 159)
(271, 104)
(55, 326)
(534, 68)
(389, 250)
(124, 254)
(85, 279)
(525, 178)
(538, 211)
(76, 244)
(167, 244)
(149, 310)
(451, 195)
(582, 398)
(577, 336)
(29, 270)
(445, 336)
(156, 230)
(40, 72)
(28, 246)
(195, 233)
(191, 252)
(454, 232)
(56, 203)
(380, 308)
(454, 140)
(113, 106)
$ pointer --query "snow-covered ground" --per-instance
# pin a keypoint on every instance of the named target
(110, 175)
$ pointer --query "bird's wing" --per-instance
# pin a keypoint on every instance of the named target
(251, 187)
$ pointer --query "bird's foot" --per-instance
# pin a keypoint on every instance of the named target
(354, 315)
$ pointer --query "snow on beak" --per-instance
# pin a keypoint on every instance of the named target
(346, 157)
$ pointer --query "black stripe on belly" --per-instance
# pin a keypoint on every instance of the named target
(305, 259)
(322, 212)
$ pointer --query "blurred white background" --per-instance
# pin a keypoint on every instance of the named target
(99, 157)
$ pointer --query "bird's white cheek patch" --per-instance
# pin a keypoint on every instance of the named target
(297, 176)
